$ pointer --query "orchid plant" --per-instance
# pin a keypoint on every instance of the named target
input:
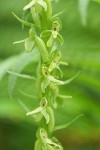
(44, 34)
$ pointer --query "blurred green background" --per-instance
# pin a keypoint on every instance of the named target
(81, 50)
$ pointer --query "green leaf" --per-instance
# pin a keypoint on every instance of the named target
(68, 124)
(97, 1)
(22, 61)
(83, 6)
(7, 64)
(23, 21)
(21, 75)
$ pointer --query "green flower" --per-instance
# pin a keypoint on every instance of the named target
(53, 33)
(41, 111)
(35, 2)
(47, 78)
(29, 42)
(45, 142)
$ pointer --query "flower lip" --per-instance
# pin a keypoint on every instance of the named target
(43, 133)
(43, 102)
(56, 26)
(45, 71)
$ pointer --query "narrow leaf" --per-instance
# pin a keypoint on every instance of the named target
(97, 1)
(22, 61)
(83, 5)
(21, 75)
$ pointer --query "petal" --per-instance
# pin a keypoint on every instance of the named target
(38, 145)
(29, 45)
(18, 42)
(49, 147)
(46, 116)
(49, 141)
(44, 84)
(45, 33)
(68, 124)
(60, 38)
(30, 5)
(37, 110)
(55, 80)
(59, 82)
(54, 34)
(38, 117)
(50, 41)
(43, 4)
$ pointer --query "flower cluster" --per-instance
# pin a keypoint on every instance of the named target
(44, 34)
